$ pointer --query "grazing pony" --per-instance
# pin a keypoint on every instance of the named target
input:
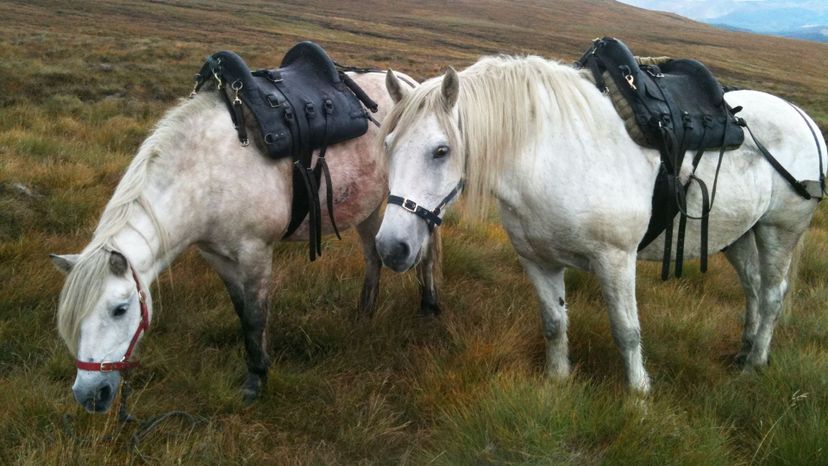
(193, 183)
(574, 190)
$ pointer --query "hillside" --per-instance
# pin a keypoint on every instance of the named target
(82, 85)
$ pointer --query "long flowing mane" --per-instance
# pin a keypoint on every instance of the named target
(504, 104)
(84, 283)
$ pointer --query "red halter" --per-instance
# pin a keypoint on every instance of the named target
(124, 363)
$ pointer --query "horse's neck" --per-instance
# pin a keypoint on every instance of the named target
(594, 144)
(174, 205)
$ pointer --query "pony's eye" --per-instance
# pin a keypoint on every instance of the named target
(120, 310)
(441, 151)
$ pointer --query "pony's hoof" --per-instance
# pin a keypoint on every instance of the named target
(249, 397)
(252, 389)
(430, 309)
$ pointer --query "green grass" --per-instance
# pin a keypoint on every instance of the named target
(82, 86)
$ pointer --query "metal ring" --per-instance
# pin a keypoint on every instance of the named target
(240, 85)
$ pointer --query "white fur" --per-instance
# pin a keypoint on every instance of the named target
(574, 190)
(192, 182)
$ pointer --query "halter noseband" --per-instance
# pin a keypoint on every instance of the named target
(431, 217)
(124, 363)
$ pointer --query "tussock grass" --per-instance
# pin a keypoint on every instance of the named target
(83, 84)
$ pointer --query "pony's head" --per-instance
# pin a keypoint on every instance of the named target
(99, 314)
(421, 138)
(455, 132)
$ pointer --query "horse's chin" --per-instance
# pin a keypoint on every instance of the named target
(97, 407)
(403, 267)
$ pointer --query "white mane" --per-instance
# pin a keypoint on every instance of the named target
(503, 105)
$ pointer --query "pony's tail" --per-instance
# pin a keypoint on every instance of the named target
(793, 274)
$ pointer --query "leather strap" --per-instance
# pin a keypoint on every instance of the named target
(796, 185)
(819, 148)
(361, 95)
(431, 217)
(125, 362)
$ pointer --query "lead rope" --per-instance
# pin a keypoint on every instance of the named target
(148, 426)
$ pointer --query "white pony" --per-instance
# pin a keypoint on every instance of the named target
(575, 191)
(193, 183)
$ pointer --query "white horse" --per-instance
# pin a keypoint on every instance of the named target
(574, 190)
(192, 182)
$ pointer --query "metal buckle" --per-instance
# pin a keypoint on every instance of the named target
(106, 367)
(631, 81)
(409, 205)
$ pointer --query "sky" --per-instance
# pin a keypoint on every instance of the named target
(706, 10)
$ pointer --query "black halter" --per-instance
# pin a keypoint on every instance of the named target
(431, 217)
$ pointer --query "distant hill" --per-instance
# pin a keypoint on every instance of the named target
(799, 23)
(801, 19)
(816, 33)
(773, 20)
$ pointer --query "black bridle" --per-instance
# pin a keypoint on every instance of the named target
(431, 217)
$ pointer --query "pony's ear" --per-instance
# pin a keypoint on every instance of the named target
(451, 88)
(65, 262)
(396, 91)
(117, 263)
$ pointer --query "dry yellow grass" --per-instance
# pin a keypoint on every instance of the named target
(83, 83)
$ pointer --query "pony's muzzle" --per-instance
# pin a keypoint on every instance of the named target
(96, 397)
(395, 254)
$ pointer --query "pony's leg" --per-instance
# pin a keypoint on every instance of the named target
(373, 265)
(744, 257)
(247, 283)
(616, 271)
(549, 283)
(775, 246)
(428, 275)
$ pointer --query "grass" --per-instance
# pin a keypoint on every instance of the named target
(82, 86)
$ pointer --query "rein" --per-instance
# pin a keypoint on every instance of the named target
(125, 362)
(431, 217)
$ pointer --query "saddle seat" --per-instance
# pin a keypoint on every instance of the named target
(303, 105)
(651, 94)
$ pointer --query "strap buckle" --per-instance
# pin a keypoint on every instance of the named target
(108, 366)
(409, 205)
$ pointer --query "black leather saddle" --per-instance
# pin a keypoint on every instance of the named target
(679, 95)
(674, 106)
(305, 105)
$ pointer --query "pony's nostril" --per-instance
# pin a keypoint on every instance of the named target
(400, 250)
(103, 393)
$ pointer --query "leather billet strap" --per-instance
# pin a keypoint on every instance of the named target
(431, 217)
(819, 148)
(797, 185)
(125, 362)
